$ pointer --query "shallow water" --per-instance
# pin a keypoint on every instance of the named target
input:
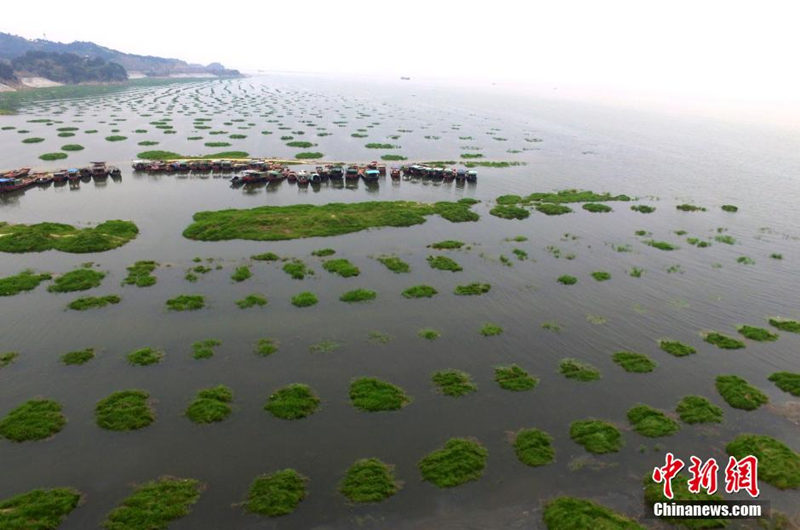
(670, 157)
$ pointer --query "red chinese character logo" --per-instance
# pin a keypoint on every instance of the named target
(703, 476)
(742, 475)
(667, 473)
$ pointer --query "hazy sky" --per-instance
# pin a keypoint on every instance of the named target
(726, 49)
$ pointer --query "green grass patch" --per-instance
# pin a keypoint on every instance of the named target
(241, 273)
(596, 436)
(514, 378)
(792, 326)
(509, 211)
(548, 208)
(66, 238)
(533, 447)
(186, 302)
(643, 208)
(155, 504)
(148, 143)
(252, 300)
(126, 410)
(369, 480)
(596, 207)
(93, 302)
(26, 280)
(601, 276)
(204, 349)
(566, 279)
(634, 362)
(569, 513)
(170, 155)
(323, 252)
(448, 244)
(217, 144)
(654, 492)
(745, 260)
(757, 334)
(740, 394)
(690, 208)
(453, 383)
(277, 494)
(374, 395)
(304, 299)
(297, 269)
(358, 295)
(292, 402)
(472, 289)
(116, 138)
(342, 267)
(36, 419)
(381, 146)
(660, 245)
(72, 147)
(724, 238)
(460, 460)
(778, 464)
(580, 371)
(266, 256)
(394, 264)
(443, 263)
(49, 157)
(32, 140)
(77, 280)
(729, 208)
(7, 358)
(78, 357)
(145, 356)
(697, 409)
(676, 348)
(38, 509)
(140, 274)
(304, 145)
(211, 405)
(723, 341)
(429, 334)
(393, 158)
(490, 330)
(308, 155)
(651, 422)
(305, 220)
(265, 347)
(420, 291)
(787, 381)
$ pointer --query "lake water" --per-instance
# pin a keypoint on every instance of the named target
(664, 158)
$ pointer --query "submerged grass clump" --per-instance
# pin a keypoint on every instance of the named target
(126, 410)
(293, 402)
(265, 347)
(566, 279)
(369, 480)
(342, 267)
(420, 291)
(472, 289)
(787, 381)
(358, 295)
(729, 208)
(697, 409)
(374, 395)
(186, 302)
(266, 256)
(460, 460)
(690, 208)
(204, 349)
(580, 371)
(509, 211)
(428, 334)
(48, 157)
(783, 324)
(241, 274)
(322, 252)
(453, 383)
(778, 464)
(211, 405)
(297, 269)
(444, 263)
(569, 513)
(155, 504)
(448, 244)
(514, 378)
(660, 245)
(304, 299)
(7, 358)
(77, 280)
(92, 302)
(643, 208)
(676, 348)
(394, 264)
(596, 436)
(78, 357)
(252, 300)
(145, 356)
(490, 330)
(26, 280)
(723, 341)
(634, 362)
(757, 334)
(740, 394)
(140, 274)
(36, 419)
(39, 237)
(601, 276)
(534, 447)
(276, 494)
(595, 207)
(38, 509)
(651, 422)
(548, 208)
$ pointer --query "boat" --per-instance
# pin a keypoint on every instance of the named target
(250, 176)
(382, 170)
(60, 175)
(73, 174)
(351, 173)
(16, 173)
(370, 175)
(302, 178)
(140, 165)
(98, 170)
(472, 176)
(114, 171)
(336, 173)
(461, 174)
(315, 178)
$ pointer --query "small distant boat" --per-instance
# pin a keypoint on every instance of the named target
(395, 173)
(315, 178)
(60, 175)
(472, 176)
(336, 173)
(16, 173)
(73, 174)
(302, 178)
(351, 173)
(370, 175)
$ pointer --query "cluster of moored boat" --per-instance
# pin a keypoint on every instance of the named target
(20, 179)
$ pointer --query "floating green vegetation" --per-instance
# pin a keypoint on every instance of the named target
(777, 463)
(323, 252)
(394, 264)
(78, 357)
(676, 348)
(566, 279)
(77, 280)
(308, 155)
(757, 334)
(443, 263)
(7, 358)
(643, 208)
(460, 460)
(520, 254)
(595, 207)
(266, 256)
(448, 244)
(723, 341)
(553, 209)
(210, 405)
(186, 302)
(775, 255)
(787, 381)
(429, 334)
(568, 513)
(634, 362)
(730, 208)
(46, 236)
(393, 158)
(514, 378)
(53, 156)
(325, 346)
(783, 324)
(654, 492)
(379, 337)
(145, 356)
(140, 274)
(471, 155)
(533, 447)
(204, 349)
(381, 146)
(293, 402)
(745, 260)
(72, 147)
(697, 409)
(493, 163)
(660, 245)
(472, 289)
(690, 208)
(358, 295)
(369, 480)
(575, 369)
(304, 299)
(93, 302)
(697, 242)
(297, 269)
(276, 494)
(724, 238)
(359, 135)
(116, 138)
(38, 509)
(252, 300)
(374, 395)
(241, 273)
(420, 291)
(508, 211)
(490, 330)
(601, 276)
(651, 422)
(32, 140)
(306, 220)
(154, 504)
(126, 410)
(265, 347)
(148, 143)
(237, 136)
(342, 267)
(26, 280)
(169, 155)
(636, 272)
(217, 144)
(596, 436)
(453, 383)
(36, 419)
(740, 394)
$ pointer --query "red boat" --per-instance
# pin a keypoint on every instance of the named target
(395, 173)
(16, 173)
(8, 185)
